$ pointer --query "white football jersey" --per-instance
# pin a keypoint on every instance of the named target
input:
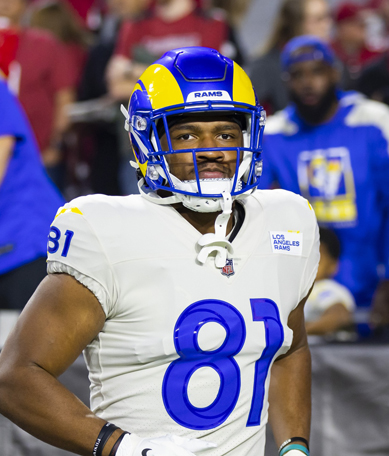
(187, 348)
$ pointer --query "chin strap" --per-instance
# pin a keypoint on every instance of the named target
(154, 197)
(217, 242)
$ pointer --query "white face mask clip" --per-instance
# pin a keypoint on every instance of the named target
(217, 242)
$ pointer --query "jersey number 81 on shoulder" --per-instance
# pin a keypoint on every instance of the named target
(192, 357)
(53, 241)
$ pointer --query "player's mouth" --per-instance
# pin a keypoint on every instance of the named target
(213, 173)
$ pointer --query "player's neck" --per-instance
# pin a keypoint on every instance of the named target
(204, 222)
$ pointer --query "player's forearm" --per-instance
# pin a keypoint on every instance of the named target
(290, 396)
(41, 405)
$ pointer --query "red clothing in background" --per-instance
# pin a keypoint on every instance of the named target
(359, 59)
(149, 38)
(82, 7)
(45, 69)
(9, 43)
(77, 55)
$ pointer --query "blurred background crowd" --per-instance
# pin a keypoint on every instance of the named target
(71, 63)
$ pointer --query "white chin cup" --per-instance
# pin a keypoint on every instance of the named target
(208, 186)
(167, 445)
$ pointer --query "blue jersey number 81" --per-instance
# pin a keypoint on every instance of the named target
(192, 358)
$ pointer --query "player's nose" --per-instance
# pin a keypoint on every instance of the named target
(213, 151)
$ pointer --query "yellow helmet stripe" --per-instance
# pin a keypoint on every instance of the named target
(242, 89)
(161, 86)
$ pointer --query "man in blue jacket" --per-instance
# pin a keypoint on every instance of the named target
(332, 147)
(28, 203)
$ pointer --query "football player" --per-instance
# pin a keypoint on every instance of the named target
(184, 298)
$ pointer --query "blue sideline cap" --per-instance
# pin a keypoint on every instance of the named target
(304, 48)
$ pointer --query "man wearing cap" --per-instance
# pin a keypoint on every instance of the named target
(350, 43)
(332, 147)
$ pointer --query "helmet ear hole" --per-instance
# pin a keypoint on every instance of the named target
(139, 174)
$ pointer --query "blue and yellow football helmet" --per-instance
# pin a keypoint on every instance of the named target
(188, 81)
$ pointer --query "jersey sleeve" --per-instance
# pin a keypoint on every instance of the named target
(74, 249)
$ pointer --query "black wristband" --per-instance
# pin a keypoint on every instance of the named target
(106, 431)
(294, 439)
(117, 443)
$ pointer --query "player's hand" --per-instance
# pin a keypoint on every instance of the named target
(167, 445)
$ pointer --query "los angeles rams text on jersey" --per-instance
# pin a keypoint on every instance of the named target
(185, 349)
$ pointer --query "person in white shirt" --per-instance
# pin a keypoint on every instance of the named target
(330, 305)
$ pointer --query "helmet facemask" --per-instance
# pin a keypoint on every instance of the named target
(200, 195)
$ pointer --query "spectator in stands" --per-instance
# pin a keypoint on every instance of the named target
(28, 203)
(42, 76)
(374, 79)
(350, 43)
(376, 16)
(295, 17)
(330, 305)
(171, 24)
(58, 18)
(235, 9)
(379, 316)
(89, 11)
(103, 130)
(332, 147)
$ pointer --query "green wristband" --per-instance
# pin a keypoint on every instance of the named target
(293, 446)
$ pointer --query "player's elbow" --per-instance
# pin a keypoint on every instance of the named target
(14, 380)
(7, 383)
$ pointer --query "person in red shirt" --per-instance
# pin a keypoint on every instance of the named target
(171, 24)
(59, 18)
(84, 8)
(350, 44)
(41, 75)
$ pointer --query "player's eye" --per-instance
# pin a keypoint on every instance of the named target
(185, 137)
(226, 136)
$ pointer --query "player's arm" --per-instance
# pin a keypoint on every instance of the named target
(290, 385)
(61, 318)
(7, 144)
(334, 318)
